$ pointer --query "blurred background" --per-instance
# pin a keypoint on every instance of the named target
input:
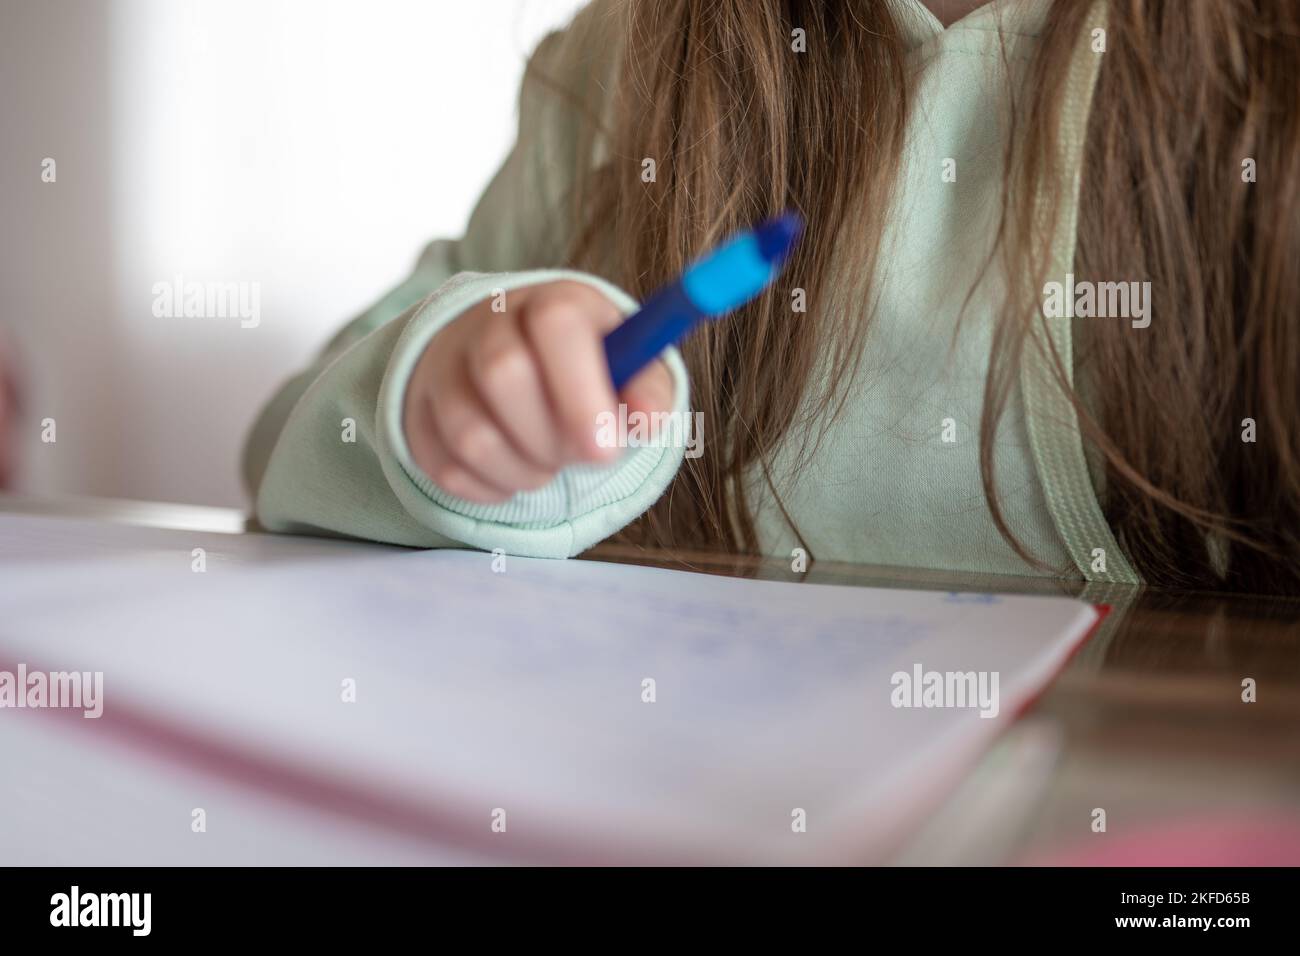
(309, 146)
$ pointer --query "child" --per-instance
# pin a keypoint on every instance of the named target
(1042, 319)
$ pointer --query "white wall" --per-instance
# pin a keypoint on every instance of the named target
(310, 146)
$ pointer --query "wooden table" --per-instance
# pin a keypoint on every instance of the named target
(1147, 722)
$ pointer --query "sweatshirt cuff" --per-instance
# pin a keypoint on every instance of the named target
(583, 504)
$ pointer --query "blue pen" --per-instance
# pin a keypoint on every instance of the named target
(725, 279)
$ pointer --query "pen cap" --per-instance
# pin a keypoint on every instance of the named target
(739, 270)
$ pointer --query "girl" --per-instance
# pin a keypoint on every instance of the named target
(1042, 319)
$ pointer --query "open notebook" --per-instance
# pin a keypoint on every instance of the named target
(545, 711)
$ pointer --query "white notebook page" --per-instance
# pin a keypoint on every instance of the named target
(773, 734)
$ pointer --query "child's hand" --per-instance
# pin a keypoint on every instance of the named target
(500, 401)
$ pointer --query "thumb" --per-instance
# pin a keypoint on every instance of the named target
(651, 390)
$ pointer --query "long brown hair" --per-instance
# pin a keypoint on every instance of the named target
(739, 128)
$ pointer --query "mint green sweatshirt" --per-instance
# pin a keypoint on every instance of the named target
(895, 481)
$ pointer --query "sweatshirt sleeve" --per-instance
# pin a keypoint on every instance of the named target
(327, 454)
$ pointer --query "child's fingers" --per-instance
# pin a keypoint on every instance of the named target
(504, 371)
(567, 338)
(473, 440)
(433, 459)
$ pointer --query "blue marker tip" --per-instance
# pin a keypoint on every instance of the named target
(776, 237)
(714, 285)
